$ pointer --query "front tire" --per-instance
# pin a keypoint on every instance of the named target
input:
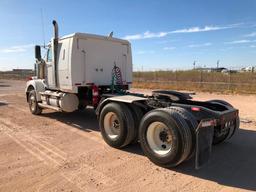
(33, 103)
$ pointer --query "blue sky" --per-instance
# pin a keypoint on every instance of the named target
(165, 34)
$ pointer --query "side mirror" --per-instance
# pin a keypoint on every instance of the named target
(38, 52)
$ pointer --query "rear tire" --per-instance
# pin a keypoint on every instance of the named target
(165, 137)
(137, 114)
(116, 125)
(192, 123)
(220, 139)
(33, 103)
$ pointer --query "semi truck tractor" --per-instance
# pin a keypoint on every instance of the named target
(81, 70)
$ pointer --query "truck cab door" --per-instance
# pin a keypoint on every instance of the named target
(50, 69)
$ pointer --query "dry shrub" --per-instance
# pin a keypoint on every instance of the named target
(194, 80)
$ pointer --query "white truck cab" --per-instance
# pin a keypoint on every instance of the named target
(85, 59)
(78, 64)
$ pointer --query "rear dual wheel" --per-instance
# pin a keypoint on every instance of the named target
(165, 137)
(117, 124)
(159, 138)
(137, 114)
(221, 137)
(192, 124)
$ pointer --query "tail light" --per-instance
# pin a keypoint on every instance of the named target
(95, 95)
(29, 78)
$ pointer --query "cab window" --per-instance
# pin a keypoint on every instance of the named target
(49, 55)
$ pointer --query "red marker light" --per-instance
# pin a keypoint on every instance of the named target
(29, 78)
(95, 95)
(195, 109)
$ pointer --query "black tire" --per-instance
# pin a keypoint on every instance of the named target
(192, 123)
(123, 125)
(178, 130)
(220, 139)
(137, 114)
(33, 103)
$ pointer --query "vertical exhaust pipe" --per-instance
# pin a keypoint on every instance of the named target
(55, 50)
(56, 29)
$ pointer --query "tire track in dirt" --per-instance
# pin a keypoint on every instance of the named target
(52, 156)
(33, 146)
(89, 135)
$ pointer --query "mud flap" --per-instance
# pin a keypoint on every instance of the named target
(204, 137)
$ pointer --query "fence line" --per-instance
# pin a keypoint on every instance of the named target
(196, 80)
(193, 82)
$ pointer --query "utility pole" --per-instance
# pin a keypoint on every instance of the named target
(194, 64)
(218, 62)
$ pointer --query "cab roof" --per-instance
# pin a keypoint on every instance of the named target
(93, 36)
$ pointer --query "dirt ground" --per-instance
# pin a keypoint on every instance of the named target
(65, 152)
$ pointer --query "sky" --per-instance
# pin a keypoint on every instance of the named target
(164, 34)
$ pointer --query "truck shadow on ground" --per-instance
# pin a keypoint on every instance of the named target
(232, 163)
(2, 103)
(85, 120)
(5, 86)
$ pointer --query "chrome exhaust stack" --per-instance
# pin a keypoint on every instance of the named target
(55, 29)
(55, 50)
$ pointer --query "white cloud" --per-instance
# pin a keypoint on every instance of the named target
(198, 29)
(148, 34)
(200, 45)
(241, 41)
(253, 46)
(16, 49)
(169, 48)
(253, 34)
(133, 37)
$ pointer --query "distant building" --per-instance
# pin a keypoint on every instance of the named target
(216, 69)
(23, 70)
(249, 69)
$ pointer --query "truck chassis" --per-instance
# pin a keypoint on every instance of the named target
(170, 127)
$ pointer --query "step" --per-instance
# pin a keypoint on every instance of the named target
(49, 107)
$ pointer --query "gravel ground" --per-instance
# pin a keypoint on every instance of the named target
(65, 152)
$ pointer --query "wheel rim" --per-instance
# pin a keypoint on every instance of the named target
(112, 125)
(159, 138)
(32, 102)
